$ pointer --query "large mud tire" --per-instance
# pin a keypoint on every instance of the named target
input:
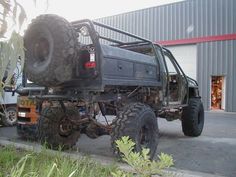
(193, 118)
(50, 42)
(27, 132)
(139, 122)
(49, 125)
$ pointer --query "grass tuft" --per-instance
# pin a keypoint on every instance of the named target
(15, 163)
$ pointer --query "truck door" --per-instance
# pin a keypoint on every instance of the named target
(176, 81)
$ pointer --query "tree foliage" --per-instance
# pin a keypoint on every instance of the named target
(12, 17)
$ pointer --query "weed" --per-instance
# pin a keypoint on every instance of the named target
(14, 163)
(140, 161)
(18, 163)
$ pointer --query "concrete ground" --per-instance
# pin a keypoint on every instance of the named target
(213, 152)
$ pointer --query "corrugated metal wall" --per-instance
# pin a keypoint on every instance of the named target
(189, 19)
(217, 59)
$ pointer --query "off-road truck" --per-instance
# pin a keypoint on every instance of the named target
(88, 71)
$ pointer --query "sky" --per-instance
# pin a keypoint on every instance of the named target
(80, 9)
(91, 9)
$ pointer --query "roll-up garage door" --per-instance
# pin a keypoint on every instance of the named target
(186, 55)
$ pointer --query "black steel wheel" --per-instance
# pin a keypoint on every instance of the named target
(10, 117)
(55, 128)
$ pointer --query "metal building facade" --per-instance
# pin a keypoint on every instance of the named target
(210, 24)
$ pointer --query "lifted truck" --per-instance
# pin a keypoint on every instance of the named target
(87, 71)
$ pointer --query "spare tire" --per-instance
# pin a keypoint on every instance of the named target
(50, 42)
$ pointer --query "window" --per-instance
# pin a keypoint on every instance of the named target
(170, 66)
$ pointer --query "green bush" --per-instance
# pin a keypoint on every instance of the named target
(140, 161)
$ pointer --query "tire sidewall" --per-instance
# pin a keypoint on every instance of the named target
(39, 30)
(193, 118)
(27, 131)
(201, 117)
(129, 122)
(149, 120)
(48, 128)
(61, 38)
